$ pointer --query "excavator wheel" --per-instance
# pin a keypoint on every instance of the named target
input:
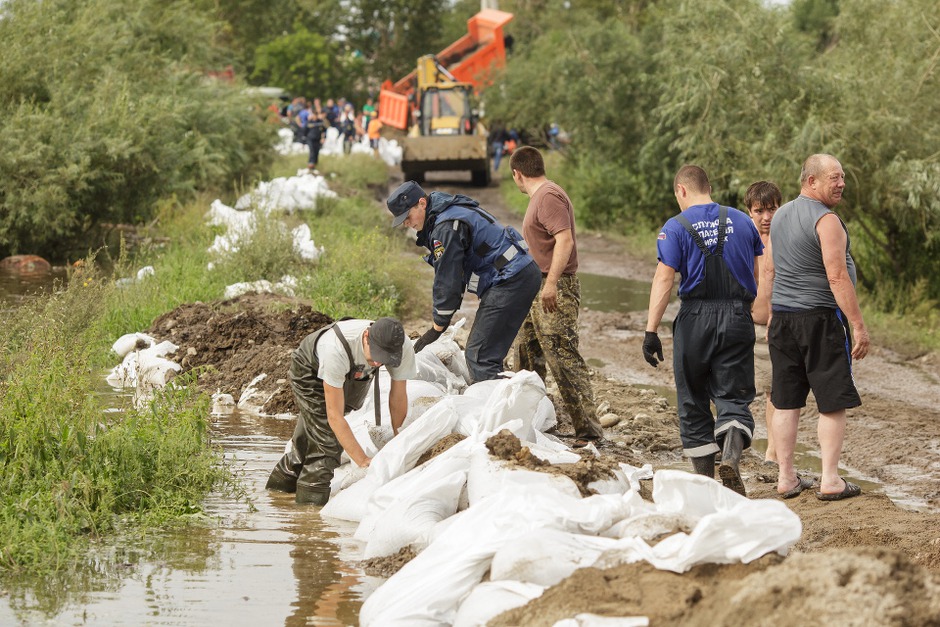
(417, 177)
(480, 178)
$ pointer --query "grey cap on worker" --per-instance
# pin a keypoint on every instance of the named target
(386, 339)
(403, 199)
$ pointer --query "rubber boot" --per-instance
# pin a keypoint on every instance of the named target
(730, 458)
(309, 496)
(281, 481)
(704, 465)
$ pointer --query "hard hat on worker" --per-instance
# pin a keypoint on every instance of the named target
(403, 199)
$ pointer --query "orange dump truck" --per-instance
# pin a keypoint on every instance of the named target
(432, 103)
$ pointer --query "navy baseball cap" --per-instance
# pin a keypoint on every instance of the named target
(403, 199)
(386, 339)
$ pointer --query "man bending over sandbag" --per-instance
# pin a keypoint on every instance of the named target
(331, 373)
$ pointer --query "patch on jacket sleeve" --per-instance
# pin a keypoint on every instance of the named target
(438, 249)
(662, 235)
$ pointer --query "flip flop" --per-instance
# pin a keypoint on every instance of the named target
(802, 484)
(850, 490)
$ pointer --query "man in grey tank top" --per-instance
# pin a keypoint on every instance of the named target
(816, 326)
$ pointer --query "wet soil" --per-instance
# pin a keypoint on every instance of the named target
(229, 343)
(860, 561)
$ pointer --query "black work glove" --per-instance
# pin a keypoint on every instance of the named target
(429, 336)
(652, 348)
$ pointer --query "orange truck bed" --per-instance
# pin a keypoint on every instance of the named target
(471, 59)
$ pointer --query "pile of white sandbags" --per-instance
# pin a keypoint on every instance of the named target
(468, 513)
(143, 366)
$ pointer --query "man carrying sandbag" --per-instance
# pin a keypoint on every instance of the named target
(331, 373)
(470, 251)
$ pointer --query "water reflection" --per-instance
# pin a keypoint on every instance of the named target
(17, 287)
(268, 564)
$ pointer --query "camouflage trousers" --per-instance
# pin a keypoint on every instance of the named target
(551, 339)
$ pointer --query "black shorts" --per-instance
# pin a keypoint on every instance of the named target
(812, 350)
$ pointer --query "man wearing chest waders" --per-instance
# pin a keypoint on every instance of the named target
(715, 250)
(331, 373)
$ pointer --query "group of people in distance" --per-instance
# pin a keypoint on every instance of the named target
(529, 294)
(310, 119)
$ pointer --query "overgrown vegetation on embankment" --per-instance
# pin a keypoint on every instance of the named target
(71, 472)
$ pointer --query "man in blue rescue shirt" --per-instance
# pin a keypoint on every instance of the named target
(715, 250)
(470, 251)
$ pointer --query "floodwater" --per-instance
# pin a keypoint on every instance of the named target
(15, 288)
(272, 563)
(605, 293)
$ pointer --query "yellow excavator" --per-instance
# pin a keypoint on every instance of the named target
(433, 104)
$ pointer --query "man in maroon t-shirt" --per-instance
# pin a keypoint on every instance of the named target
(549, 334)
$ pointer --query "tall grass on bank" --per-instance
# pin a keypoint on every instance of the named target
(71, 473)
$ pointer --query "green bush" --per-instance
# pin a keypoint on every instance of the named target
(106, 108)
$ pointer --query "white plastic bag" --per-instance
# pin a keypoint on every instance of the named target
(491, 598)
(406, 520)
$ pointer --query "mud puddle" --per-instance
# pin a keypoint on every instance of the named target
(607, 293)
(273, 564)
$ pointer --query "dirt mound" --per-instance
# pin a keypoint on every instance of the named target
(235, 340)
(833, 587)
(506, 446)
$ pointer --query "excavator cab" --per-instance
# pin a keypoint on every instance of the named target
(446, 111)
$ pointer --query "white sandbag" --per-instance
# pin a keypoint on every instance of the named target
(489, 476)
(303, 244)
(553, 455)
(650, 525)
(449, 352)
(344, 476)
(131, 341)
(454, 459)
(428, 589)
(729, 528)
(252, 399)
(350, 503)
(407, 519)
(332, 143)
(625, 478)
(390, 151)
(547, 556)
(161, 349)
(545, 416)
(515, 398)
(153, 371)
(286, 144)
(403, 451)
(470, 414)
(491, 598)
(482, 390)
(595, 620)
(421, 396)
(433, 370)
